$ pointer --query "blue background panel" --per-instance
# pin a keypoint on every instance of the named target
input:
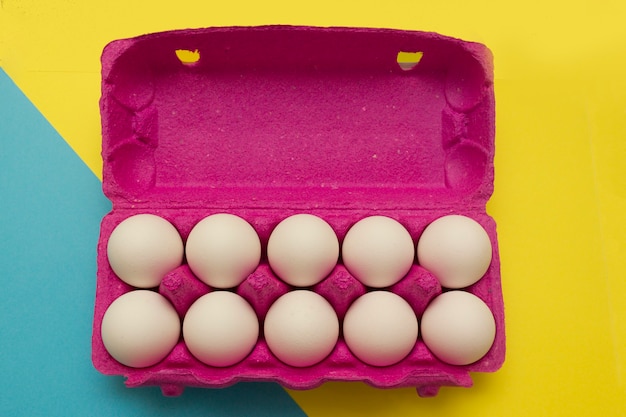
(52, 205)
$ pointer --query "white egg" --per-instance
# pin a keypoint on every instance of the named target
(380, 328)
(301, 328)
(456, 249)
(222, 250)
(220, 328)
(458, 327)
(302, 250)
(140, 328)
(143, 248)
(378, 251)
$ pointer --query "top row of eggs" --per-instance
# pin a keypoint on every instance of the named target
(223, 249)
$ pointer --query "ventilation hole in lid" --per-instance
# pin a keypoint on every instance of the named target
(187, 56)
(408, 60)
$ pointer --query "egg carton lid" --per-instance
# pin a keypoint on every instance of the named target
(297, 117)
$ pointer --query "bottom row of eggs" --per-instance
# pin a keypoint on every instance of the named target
(140, 328)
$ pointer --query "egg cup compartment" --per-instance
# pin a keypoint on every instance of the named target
(267, 122)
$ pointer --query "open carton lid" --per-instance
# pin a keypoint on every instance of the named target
(298, 118)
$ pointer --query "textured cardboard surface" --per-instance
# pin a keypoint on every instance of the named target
(273, 121)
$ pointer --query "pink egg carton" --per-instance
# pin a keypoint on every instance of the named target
(279, 120)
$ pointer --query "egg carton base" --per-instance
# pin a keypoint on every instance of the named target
(425, 385)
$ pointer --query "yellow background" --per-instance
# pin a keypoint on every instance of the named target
(560, 190)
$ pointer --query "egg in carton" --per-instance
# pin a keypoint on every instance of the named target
(297, 205)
